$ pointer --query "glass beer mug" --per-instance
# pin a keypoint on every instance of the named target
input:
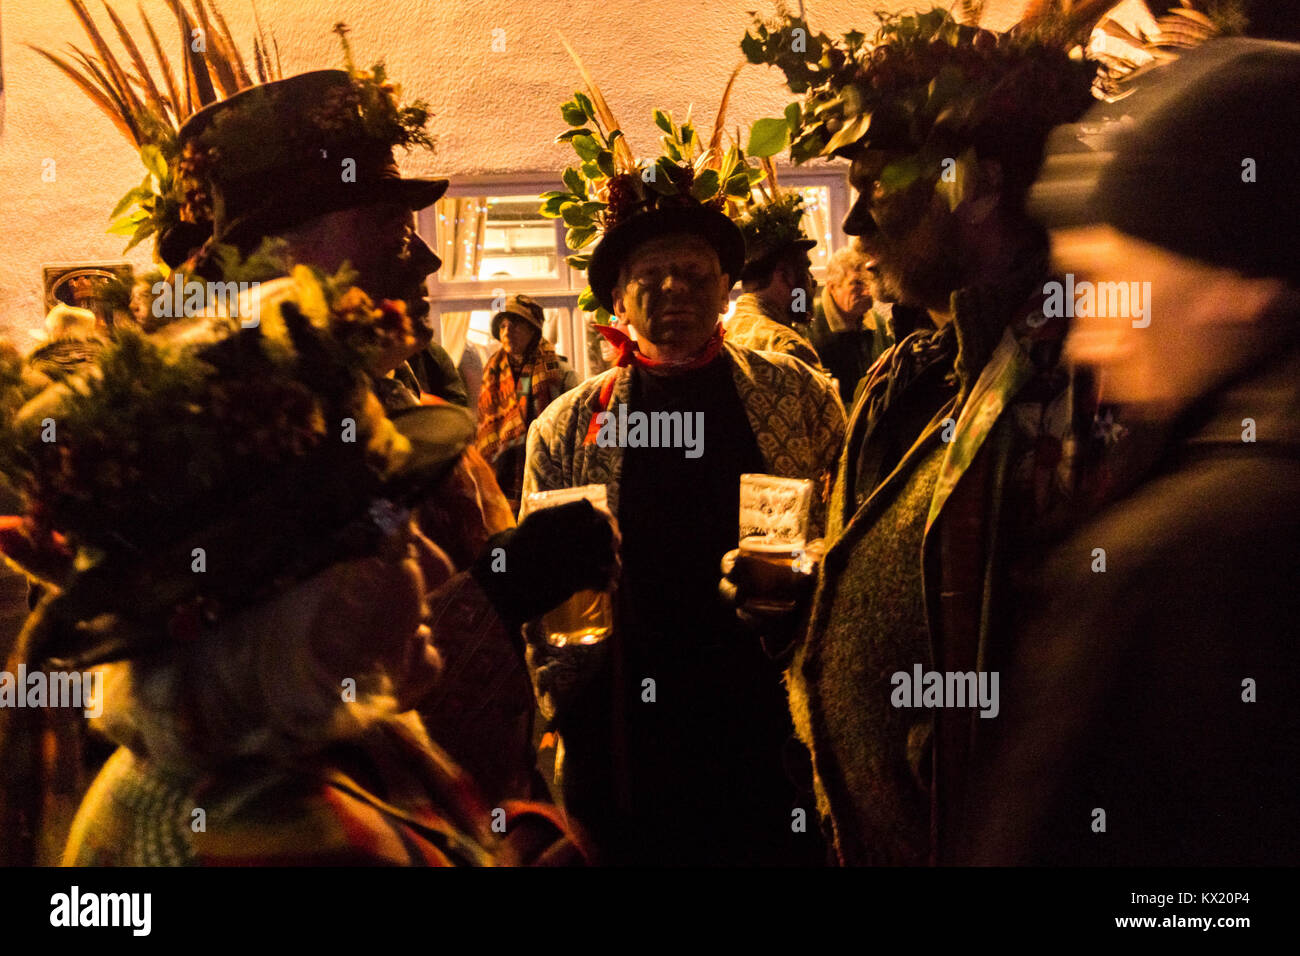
(587, 616)
(774, 515)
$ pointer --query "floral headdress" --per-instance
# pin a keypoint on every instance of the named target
(924, 84)
(929, 84)
(261, 444)
(772, 218)
(148, 106)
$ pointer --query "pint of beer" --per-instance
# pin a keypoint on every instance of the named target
(771, 566)
(774, 515)
(587, 616)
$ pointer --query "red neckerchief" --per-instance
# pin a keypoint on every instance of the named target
(629, 354)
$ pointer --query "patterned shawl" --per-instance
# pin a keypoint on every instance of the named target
(503, 400)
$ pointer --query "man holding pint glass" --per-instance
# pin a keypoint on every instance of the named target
(673, 728)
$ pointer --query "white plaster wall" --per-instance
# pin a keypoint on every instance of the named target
(496, 112)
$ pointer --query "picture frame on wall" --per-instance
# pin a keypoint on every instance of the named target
(104, 288)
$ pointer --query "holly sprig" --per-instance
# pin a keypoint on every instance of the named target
(152, 206)
(578, 204)
(602, 188)
(919, 73)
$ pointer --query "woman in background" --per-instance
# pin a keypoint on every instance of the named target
(520, 380)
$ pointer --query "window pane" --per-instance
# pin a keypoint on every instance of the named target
(480, 329)
(817, 221)
(481, 238)
(555, 328)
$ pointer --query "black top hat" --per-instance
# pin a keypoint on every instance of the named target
(757, 265)
(281, 153)
(677, 218)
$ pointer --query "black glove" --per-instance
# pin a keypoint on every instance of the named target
(776, 611)
(553, 553)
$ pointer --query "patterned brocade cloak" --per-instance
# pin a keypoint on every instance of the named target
(752, 327)
(796, 415)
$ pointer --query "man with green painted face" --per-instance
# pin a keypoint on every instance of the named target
(962, 440)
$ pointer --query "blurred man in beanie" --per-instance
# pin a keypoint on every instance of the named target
(520, 380)
(1154, 720)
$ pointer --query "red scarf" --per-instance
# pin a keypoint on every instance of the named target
(629, 354)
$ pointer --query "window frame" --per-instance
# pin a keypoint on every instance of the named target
(835, 177)
(478, 289)
(562, 291)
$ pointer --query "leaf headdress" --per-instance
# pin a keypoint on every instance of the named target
(609, 185)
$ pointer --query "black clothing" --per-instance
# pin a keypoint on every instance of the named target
(847, 354)
(434, 371)
(684, 508)
(1163, 690)
(706, 783)
(921, 382)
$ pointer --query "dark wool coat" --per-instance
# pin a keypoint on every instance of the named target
(1133, 686)
(848, 355)
(928, 553)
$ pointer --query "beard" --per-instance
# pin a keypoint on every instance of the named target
(410, 289)
(885, 285)
(926, 281)
(920, 268)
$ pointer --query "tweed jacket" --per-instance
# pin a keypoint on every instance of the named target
(1018, 454)
(796, 415)
(753, 327)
